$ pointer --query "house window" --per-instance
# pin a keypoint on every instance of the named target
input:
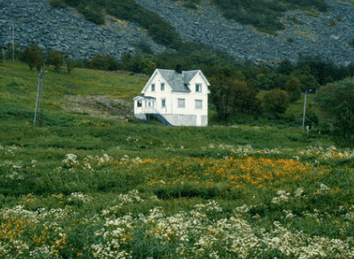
(199, 104)
(163, 103)
(198, 88)
(181, 103)
(162, 87)
(153, 87)
(140, 104)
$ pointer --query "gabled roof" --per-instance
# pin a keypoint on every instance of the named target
(178, 82)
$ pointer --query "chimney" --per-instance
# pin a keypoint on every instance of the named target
(179, 69)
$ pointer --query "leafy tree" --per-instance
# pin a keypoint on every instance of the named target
(33, 57)
(220, 87)
(293, 89)
(70, 64)
(336, 100)
(307, 80)
(100, 62)
(87, 63)
(275, 102)
(58, 60)
(57, 3)
(285, 67)
(244, 98)
(1, 55)
(232, 94)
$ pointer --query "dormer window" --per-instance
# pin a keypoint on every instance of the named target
(162, 86)
(153, 88)
(198, 88)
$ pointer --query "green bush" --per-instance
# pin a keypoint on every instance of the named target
(57, 3)
(337, 102)
(100, 62)
(275, 102)
(264, 15)
(33, 57)
(293, 89)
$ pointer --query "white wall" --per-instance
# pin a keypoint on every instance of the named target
(171, 108)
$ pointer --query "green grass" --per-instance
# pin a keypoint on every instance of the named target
(81, 186)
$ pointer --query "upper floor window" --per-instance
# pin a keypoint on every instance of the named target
(198, 88)
(162, 86)
(199, 104)
(153, 87)
(181, 103)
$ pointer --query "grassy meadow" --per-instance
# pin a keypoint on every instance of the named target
(89, 187)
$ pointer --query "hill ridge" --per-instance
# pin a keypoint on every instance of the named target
(324, 34)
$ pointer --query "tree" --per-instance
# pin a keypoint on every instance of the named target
(100, 62)
(220, 87)
(70, 65)
(33, 57)
(232, 94)
(336, 100)
(1, 55)
(293, 89)
(285, 67)
(244, 98)
(58, 60)
(307, 80)
(275, 102)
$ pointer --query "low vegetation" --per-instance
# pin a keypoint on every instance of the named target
(90, 187)
(262, 14)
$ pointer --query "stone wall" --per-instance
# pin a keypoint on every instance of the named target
(326, 35)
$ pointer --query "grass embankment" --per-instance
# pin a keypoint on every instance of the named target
(84, 187)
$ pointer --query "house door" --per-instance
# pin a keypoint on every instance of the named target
(199, 120)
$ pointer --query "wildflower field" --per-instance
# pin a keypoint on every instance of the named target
(84, 187)
(120, 191)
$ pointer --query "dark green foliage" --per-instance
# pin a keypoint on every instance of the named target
(70, 64)
(87, 63)
(144, 47)
(275, 102)
(92, 12)
(264, 15)
(33, 57)
(138, 64)
(2, 57)
(324, 71)
(311, 118)
(293, 89)
(100, 62)
(285, 67)
(57, 3)
(336, 100)
(232, 94)
(58, 60)
(307, 80)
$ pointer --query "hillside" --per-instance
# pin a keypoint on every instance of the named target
(83, 186)
(284, 31)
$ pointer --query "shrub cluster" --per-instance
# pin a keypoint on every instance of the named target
(264, 15)
(161, 31)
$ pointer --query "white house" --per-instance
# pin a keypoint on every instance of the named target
(175, 97)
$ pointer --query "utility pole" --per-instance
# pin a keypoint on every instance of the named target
(13, 35)
(39, 99)
(304, 115)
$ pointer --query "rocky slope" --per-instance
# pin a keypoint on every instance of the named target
(323, 34)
